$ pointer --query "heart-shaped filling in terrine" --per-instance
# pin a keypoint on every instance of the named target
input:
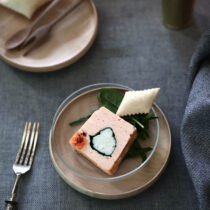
(104, 142)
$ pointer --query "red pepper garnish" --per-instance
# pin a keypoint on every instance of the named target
(79, 140)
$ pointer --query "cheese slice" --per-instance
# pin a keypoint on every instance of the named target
(24, 7)
(137, 102)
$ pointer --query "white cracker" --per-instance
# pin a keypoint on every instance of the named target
(24, 7)
(137, 102)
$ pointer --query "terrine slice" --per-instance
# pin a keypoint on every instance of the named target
(104, 139)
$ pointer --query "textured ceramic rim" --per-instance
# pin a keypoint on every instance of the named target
(76, 94)
(60, 65)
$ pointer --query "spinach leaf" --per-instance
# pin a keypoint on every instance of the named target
(137, 150)
(83, 119)
(110, 98)
(141, 122)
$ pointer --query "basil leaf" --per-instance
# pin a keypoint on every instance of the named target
(110, 98)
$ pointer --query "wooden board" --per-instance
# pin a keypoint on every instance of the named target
(69, 40)
(132, 185)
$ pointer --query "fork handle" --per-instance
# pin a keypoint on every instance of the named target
(11, 204)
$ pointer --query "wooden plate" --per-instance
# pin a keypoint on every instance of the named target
(129, 186)
(69, 40)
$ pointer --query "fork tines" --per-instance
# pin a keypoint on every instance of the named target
(27, 148)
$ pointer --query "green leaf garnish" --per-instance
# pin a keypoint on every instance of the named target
(110, 98)
(136, 121)
(141, 122)
(83, 119)
(137, 150)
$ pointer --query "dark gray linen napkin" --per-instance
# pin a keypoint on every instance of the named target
(195, 129)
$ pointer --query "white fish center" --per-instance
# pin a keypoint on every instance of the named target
(104, 142)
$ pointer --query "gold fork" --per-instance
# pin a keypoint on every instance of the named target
(24, 159)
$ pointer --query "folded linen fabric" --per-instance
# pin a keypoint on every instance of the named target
(195, 130)
(24, 7)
